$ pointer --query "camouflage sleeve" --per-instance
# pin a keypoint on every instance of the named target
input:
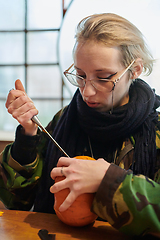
(17, 182)
(21, 168)
(130, 203)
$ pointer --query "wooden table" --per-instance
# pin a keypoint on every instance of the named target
(21, 225)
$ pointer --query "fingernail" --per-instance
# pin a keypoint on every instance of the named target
(11, 89)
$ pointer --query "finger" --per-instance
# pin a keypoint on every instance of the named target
(64, 161)
(21, 103)
(19, 85)
(68, 201)
(57, 172)
(24, 113)
(58, 186)
(13, 94)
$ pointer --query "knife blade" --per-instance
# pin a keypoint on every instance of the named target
(36, 120)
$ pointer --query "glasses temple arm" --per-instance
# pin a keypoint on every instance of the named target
(126, 69)
(68, 68)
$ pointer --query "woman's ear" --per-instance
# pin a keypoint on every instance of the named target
(137, 68)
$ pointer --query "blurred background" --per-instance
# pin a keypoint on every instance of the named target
(36, 41)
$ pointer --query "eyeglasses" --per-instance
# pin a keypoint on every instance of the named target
(100, 84)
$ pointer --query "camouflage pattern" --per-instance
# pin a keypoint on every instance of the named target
(130, 203)
(18, 183)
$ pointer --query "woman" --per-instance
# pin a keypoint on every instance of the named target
(112, 117)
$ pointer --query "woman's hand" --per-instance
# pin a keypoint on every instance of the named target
(21, 107)
(82, 176)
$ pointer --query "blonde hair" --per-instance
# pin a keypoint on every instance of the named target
(116, 31)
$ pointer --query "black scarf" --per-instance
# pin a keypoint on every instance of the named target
(138, 118)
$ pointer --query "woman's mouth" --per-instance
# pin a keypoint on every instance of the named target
(92, 104)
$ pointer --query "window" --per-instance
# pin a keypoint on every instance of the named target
(29, 32)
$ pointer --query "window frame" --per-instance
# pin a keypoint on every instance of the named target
(9, 135)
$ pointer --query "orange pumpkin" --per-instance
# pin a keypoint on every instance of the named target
(78, 214)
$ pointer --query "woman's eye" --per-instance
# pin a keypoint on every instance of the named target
(108, 77)
(81, 75)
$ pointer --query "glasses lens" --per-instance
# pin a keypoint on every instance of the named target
(103, 85)
(75, 80)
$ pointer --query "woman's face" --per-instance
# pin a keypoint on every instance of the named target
(94, 60)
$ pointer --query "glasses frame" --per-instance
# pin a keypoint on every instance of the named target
(107, 80)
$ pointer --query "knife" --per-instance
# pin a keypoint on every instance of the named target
(36, 120)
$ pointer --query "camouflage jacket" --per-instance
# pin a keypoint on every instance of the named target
(130, 203)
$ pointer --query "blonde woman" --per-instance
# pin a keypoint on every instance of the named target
(111, 117)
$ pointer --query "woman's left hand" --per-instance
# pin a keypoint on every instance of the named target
(82, 176)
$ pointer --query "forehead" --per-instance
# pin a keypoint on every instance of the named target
(96, 53)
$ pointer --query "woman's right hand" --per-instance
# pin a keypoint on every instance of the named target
(21, 107)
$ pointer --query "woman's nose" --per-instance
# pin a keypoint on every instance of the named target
(88, 90)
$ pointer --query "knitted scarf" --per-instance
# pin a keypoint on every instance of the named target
(137, 118)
